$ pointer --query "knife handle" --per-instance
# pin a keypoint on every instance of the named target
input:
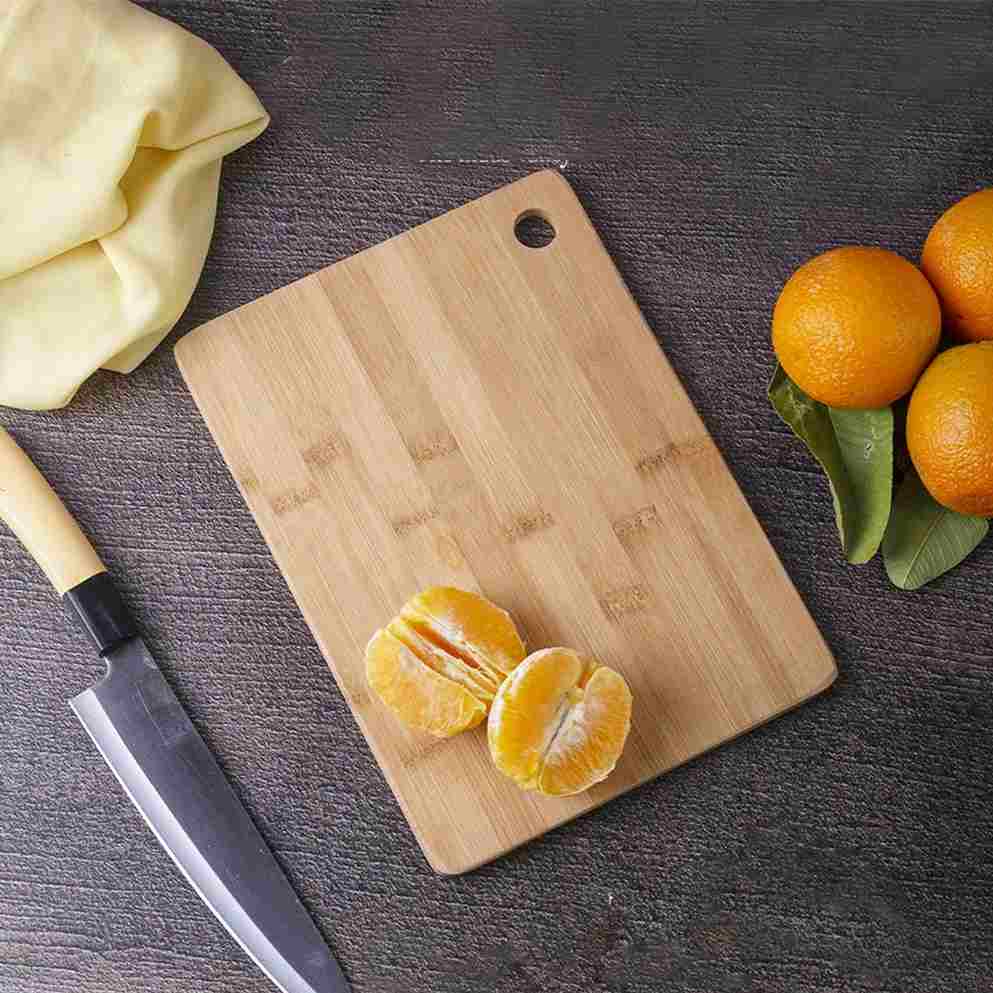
(40, 520)
(33, 511)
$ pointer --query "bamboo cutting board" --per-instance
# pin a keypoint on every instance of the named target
(454, 407)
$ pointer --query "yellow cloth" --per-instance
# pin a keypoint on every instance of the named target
(113, 123)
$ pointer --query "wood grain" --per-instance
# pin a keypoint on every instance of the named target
(453, 407)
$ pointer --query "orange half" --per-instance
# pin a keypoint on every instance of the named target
(559, 722)
(439, 663)
(418, 695)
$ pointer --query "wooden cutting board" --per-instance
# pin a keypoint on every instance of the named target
(454, 407)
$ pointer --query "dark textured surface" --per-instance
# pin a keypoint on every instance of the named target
(846, 847)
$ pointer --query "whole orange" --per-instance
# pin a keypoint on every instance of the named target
(958, 259)
(950, 428)
(855, 326)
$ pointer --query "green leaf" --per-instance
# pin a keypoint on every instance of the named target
(925, 539)
(855, 450)
(865, 439)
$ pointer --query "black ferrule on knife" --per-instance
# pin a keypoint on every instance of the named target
(96, 604)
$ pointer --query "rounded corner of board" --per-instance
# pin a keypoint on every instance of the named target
(185, 345)
(546, 178)
(444, 865)
(828, 677)
(556, 178)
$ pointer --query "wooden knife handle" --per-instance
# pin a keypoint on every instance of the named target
(40, 520)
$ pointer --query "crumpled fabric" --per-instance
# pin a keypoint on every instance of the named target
(113, 124)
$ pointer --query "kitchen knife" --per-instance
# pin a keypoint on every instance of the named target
(161, 761)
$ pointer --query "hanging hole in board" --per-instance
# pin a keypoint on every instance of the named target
(534, 230)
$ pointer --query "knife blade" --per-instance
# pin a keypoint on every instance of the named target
(158, 756)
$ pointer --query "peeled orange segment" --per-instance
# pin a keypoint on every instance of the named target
(591, 738)
(416, 693)
(528, 710)
(559, 722)
(467, 626)
(475, 680)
